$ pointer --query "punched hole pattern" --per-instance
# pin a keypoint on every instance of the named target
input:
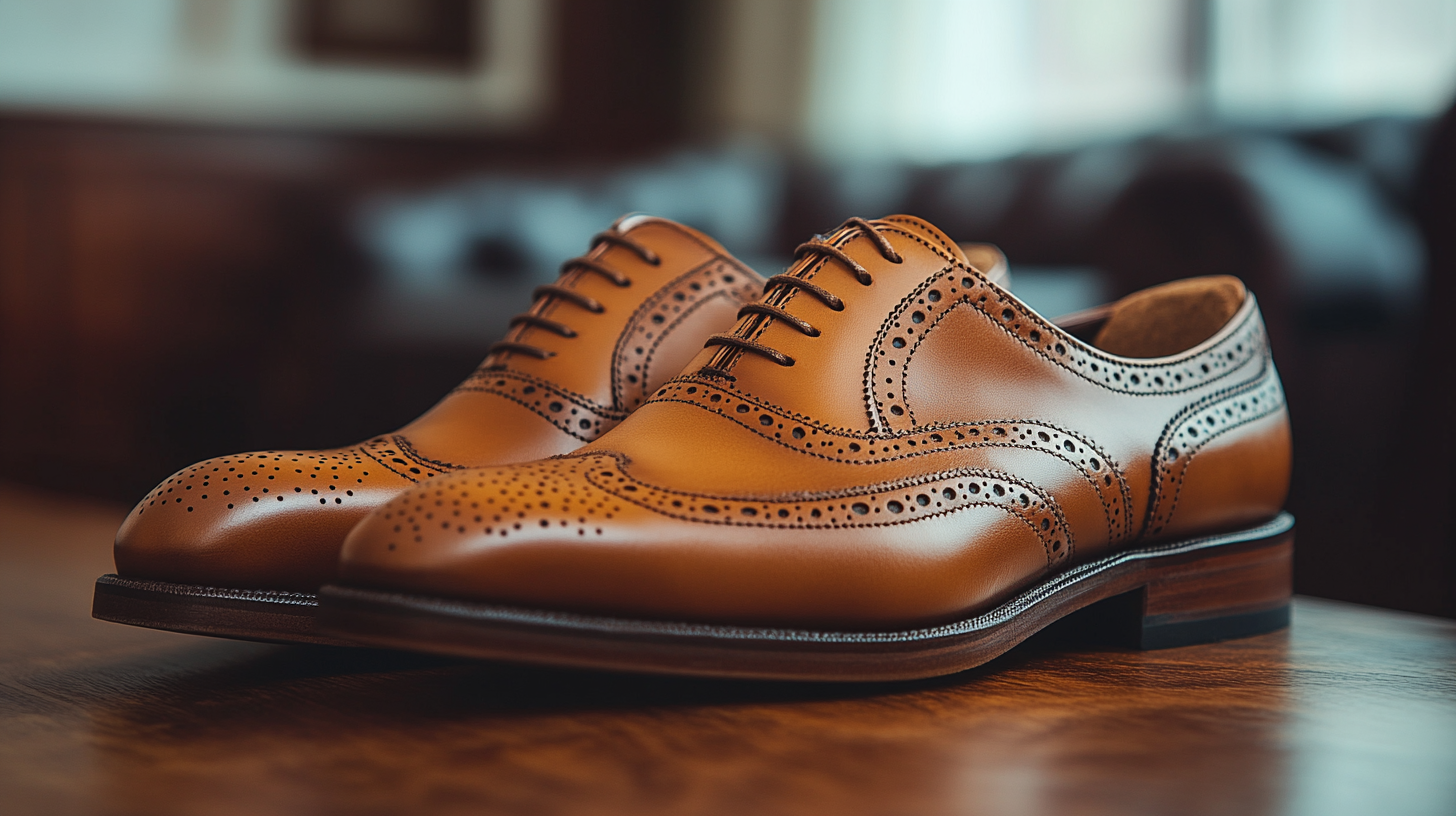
(958, 286)
(814, 438)
(654, 321)
(229, 482)
(1198, 426)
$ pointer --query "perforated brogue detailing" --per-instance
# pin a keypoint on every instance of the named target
(807, 436)
(326, 479)
(898, 502)
(580, 495)
(1198, 425)
(918, 313)
(661, 314)
(572, 413)
(396, 454)
(502, 501)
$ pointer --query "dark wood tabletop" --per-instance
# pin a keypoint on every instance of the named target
(1352, 711)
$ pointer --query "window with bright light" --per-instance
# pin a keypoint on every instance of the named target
(932, 80)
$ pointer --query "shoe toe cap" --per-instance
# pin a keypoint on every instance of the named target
(265, 520)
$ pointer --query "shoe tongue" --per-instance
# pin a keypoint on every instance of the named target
(925, 230)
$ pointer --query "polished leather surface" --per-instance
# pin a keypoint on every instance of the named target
(934, 447)
(276, 519)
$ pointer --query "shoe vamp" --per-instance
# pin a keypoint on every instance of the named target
(504, 419)
(681, 449)
(576, 534)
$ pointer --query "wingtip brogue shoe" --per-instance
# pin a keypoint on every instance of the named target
(890, 468)
(238, 545)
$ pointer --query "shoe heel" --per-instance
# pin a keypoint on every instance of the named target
(1218, 594)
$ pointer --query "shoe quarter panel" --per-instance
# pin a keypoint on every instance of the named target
(984, 355)
(1224, 462)
(667, 330)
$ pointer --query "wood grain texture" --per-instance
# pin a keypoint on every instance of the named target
(1353, 710)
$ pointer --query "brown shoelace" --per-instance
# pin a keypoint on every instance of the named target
(566, 293)
(786, 283)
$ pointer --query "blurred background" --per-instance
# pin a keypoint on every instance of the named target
(243, 224)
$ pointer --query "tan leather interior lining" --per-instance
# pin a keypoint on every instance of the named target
(1170, 318)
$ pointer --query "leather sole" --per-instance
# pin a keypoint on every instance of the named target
(1171, 594)
(272, 616)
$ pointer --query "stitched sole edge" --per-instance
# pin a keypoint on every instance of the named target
(270, 616)
(465, 628)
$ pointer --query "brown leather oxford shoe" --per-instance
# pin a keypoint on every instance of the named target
(238, 546)
(891, 468)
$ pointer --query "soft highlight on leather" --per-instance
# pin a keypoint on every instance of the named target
(276, 519)
(929, 449)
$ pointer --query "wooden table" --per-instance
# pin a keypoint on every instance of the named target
(1352, 711)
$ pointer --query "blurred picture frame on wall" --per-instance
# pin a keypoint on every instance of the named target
(431, 34)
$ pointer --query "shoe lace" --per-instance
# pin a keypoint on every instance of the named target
(564, 292)
(817, 247)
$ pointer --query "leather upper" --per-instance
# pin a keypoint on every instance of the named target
(276, 519)
(934, 447)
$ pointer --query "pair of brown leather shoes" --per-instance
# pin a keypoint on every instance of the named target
(889, 467)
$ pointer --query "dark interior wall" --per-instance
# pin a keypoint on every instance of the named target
(622, 75)
(160, 285)
(1424, 450)
(171, 291)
